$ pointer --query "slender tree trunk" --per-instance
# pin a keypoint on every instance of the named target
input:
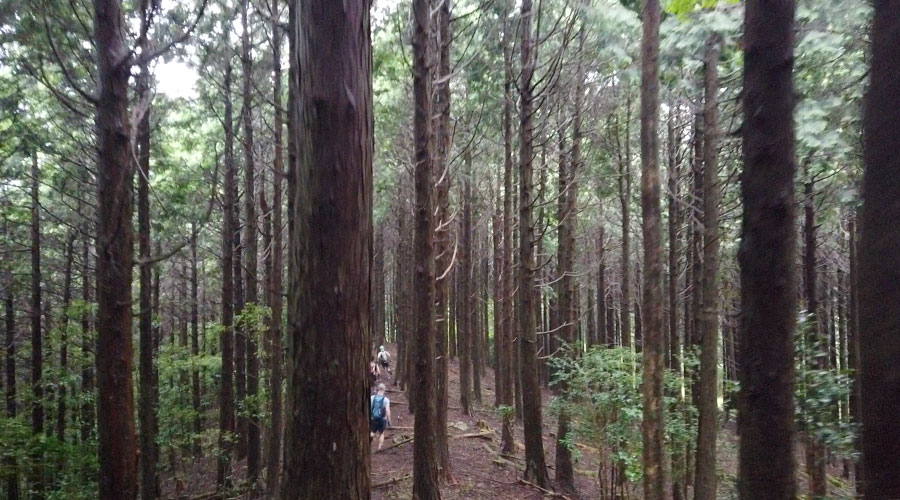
(331, 254)
(766, 256)
(509, 332)
(64, 339)
(87, 368)
(879, 288)
(195, 345)
(705, 485)
(275, 433)
(10, 463)
(443, 230)
(853, 364)
(466, 292)
(815, 450)
(226, 390)
(147, 409)
(35, 475)
(118, 450)
(624, 182)
(535, 469)
(653, 323)
(250, 251)
(674, 360)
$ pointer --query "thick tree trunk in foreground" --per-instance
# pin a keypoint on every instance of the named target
(879, 262)
(115, 409)
(326, 450)
(535, 468)
(653, 323)
(705, 484)
(766, 256)
(425, 473)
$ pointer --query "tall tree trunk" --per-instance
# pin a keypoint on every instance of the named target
(509, 332)
(653, 323)
(195, 345)
(853, 362)
(879, 288)
(148, 400)
(118, 450)
(331, 251)
(35, 476)
(604, 315)
(250, 250)
(568, 202)
(275, 433)
(64, 339)
(425, 473)
(466, 292)
(12, 473)
(815, 451)
(674, 167)
(443, 250)
(87, 347)
(624, 182)
(705, 485)
(226, 388)
(535, 469)
(766, 255)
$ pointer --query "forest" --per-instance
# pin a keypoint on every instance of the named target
(458, 249)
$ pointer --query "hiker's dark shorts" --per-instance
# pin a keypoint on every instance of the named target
(377, 425)
(386, 364)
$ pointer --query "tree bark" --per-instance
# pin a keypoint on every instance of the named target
(443, 228)
(624, 182)
(879, 289)
(226, 388)
(331, 252)
(115, 409)
(35, 479)
(12, 475)
(705, 484)
(466, 292)
(652, 322)
(766, 256)
(250, 248)
(148, 393)
(276, 375)
(535, 468)
(195, 345)
(425, 473)
(87, 368)
(64, 339)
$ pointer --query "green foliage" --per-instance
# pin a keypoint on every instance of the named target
(603, 397)
(821, 392)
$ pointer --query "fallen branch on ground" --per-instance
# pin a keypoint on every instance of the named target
(545, 490)
(390, 481)
(398, 443)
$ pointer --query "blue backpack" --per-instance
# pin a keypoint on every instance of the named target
(378, 407)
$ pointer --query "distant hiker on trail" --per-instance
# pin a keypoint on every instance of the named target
(379, 415)
(384, 360)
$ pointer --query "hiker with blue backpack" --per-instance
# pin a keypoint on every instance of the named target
(379, 415)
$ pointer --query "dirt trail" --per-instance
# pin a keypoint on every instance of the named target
(477, 472)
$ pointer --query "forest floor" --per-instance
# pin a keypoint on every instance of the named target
(478, 471)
